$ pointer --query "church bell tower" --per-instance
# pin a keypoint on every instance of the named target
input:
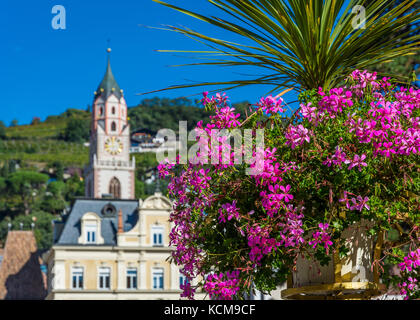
(110, 170)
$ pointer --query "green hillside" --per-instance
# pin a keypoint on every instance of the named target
(43, 142)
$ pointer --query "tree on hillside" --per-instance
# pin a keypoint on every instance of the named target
(14, 123)
(2, 130)
(77, 130)
(26, 185)
(2, 184)
(302, 44)
(75, 187)
(402, 65)
(36, 120)
(157, 113)
(54, 200)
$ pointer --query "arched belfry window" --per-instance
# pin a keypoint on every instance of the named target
(101, 111)
(113, 110)
(113, 126)
(115, 188)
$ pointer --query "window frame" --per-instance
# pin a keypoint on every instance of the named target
(73, 272)
(158, 272)
(159, 231)
(91, 228)
(132, 279)
(100, 275)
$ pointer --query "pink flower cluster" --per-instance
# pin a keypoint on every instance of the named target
(260, 242)
(275, 199)
(309, 112)
(297, 135)
(363, 80)
(222, 286)
(358, 202)
(412, 261)
(408, 287)
(334, 103)
(271, 172)
(230, 211)
(225, 116)
(189, 191)
(390, 126)
(321, 237)
(411, 271)
(291, 227)
(270, 105)
(165, 168)
(357, 161)
(338, 158)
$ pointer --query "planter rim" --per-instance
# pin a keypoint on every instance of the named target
(370, 289)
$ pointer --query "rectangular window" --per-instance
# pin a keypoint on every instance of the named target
(105, 278)
(77, 278)
(157, 276)
(131, 278)
(157, 232)
(90, 230)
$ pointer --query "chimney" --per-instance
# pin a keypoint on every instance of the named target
(120, 222)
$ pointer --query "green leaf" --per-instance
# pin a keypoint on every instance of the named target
(302, 43)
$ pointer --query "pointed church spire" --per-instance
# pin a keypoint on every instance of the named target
(108, 84)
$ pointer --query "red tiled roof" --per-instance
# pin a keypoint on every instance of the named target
(20, 275)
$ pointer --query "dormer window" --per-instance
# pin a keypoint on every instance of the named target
(90, 229)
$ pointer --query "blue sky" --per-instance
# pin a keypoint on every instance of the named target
(46, 71)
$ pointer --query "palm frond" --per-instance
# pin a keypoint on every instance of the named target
(302, 43)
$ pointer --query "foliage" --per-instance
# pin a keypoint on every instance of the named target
(26, 185)
(26, 193)
(347, 154)
(42, 227)
(402, 65)
(301, 43)
(155, 114)
(77, 130)
(2, 131)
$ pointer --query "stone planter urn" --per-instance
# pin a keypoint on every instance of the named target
(350, 277)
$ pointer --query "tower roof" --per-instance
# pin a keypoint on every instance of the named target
(108, 84)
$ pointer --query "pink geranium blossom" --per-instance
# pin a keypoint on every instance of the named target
(357, 161)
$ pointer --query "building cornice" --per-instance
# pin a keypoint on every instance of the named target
(116, 291)
(111, 248)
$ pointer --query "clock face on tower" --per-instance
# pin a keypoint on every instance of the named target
(113, 146)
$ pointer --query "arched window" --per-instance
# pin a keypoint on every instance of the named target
(113, 126)
(101, 111)
(115, 188)
(113, 110)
